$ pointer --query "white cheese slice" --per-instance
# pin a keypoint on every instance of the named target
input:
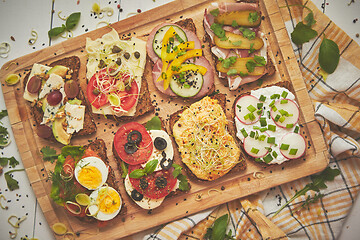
(36, 69)
(54, 82)
(74, 115)
(99, 48)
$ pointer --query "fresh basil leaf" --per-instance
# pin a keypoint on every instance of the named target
(10, 181)
(177, 170)
(310, 19)
(184, 183)
(49, 154)
(3, 113)
(215, 12)
(56, 31)
(302, 34)
(153, 124)
(219, 228)
(72, 20)
(150, 166)
(329, 55)
(137, 173)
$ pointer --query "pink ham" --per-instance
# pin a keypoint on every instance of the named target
(149, 44)
(208, 77)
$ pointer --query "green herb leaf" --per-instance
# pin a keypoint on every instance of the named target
(137, 173)
(329, 55)
(177, 170)
(231, 72)
(74, 151)
(124, 169)
(3, 113)
(11, 160)
(153, 124)
(253, 17)
(302, 34)
(228, 62)
(219, 228)
(234, 24)
(215, 12)
(250, 65)
(260, 60)
(318, 183)
(218, 30)
(49, 154)
(56, 31)
(10, 181)
(150, 166)
(72, 20)
(310, 19)
(247, 33)
(184, 183)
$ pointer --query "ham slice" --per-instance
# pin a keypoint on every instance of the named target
(208, 77)
(149, 44)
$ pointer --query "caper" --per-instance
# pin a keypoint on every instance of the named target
(126, 55)
(136, 195)
(115, 49)
(161, 182)
(136, 54)
(102, 64)
(118, 61)
(96, 91)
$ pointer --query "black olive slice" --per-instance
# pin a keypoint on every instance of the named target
(136, 195)
(160, 143)
(161, 182)
(163, 154)
(134, 140)
(130, 148)
(166, 163)
(143, 183)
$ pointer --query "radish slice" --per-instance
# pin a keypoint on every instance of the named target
(255, 147)
(292, 146)
(246, 109)
(285, 113)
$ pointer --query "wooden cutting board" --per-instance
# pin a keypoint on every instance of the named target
(232, 186)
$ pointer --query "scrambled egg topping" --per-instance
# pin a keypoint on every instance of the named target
(205, 145)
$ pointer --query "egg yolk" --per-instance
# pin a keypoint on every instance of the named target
(108, 201)
(90, 177)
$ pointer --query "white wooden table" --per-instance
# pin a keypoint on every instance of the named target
(19, 17)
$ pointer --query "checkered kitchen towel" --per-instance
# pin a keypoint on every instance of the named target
(336, 103)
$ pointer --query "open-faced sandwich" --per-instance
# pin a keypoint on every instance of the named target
(205, 144)
(179, 69)
(146, 156)
(237, 44)
(84, 183)
(115, 76)
(57, 102)
(267, 124)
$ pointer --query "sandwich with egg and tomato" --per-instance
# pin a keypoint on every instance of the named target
(179, 67)
(145, 155)
(84, 183)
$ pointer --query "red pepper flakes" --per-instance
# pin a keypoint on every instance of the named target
(139, 10)
(118, 6)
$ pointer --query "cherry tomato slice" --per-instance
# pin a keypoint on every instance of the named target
(144, 148)
(128, 97)
(153, 191)
(95, 97)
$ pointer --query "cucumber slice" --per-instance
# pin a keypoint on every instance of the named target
(189, 86)
(157, 42)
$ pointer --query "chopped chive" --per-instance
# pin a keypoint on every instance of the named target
(268, 114)
(268, 158)
(283, 112)
(256, 127)
(283, 101)
(244, 133)
(238, 106)
(272, 103)
(246, 117)
(251, 108)
(274, 154)
(293, 151)
(271, 140)
(284, 146)
(282, 119)
(254, 150)
(272, 127)
(251, 116)
(274, 108)
(179, 38)
(284, 94)
(296, 130)
(258, 160)
(289, 125)
(275, 96)
(262, 137)
(262, 98)
(252, 134)
(260, 105)
(269, 149)
(259, 111)
(263, 129)
(263, 122)
(277, 117)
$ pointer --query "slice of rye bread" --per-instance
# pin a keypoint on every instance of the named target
(222, 102)
(118, 162)
(73, 63)
(269, 67)
(284, 84)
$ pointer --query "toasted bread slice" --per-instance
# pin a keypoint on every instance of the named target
(73, 63)
(240, 163)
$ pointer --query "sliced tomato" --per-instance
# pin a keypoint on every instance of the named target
(144, 148)
(129, 97)
(89, 153)
(152, 191)
(69, 165)
(100, 99)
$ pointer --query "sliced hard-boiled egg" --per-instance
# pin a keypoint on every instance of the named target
(91, 172)
(105, 203)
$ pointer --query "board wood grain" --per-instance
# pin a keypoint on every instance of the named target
(234, 185)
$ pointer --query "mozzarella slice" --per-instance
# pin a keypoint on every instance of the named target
(74, 117)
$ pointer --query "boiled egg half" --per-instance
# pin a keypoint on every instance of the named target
(91, 172)
(105, 203)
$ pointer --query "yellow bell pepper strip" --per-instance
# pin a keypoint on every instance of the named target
(165, 42)
(181, 47)
(176, 64)
(191, 67)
